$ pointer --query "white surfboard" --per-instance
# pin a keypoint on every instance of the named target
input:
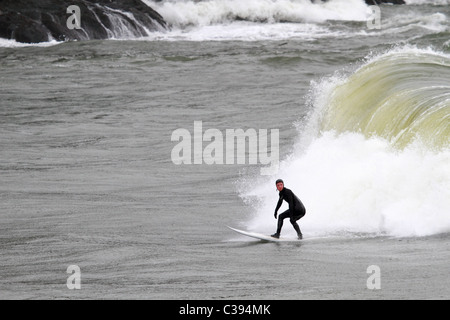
(261, 236)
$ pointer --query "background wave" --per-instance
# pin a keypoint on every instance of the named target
(292, 19)
(186, 13)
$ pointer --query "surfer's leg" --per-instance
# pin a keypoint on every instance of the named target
(295, 224)
(281, 217)
(297, 229)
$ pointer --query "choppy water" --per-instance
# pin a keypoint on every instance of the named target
(87, 176)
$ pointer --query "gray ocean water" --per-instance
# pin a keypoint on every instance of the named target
(87, 177)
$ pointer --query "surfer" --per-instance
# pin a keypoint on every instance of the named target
(295, 212)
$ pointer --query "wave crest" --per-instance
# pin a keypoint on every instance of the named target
(402, 96)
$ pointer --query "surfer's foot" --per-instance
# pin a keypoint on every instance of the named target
(300, 236)
(276, 235)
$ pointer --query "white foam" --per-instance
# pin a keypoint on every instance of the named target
(5, 43)
(254, 19)
(247, 31)
(188, 12)
(352, 184)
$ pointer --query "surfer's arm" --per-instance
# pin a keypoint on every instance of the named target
(280, 201)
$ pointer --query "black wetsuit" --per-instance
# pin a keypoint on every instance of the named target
(295, 212)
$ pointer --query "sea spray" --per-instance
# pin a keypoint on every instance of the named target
(201, 13)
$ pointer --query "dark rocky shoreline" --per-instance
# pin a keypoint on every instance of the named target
(43, 20)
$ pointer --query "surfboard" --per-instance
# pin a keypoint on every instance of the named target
(261, 236)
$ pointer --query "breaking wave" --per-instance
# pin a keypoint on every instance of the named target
(374, 157)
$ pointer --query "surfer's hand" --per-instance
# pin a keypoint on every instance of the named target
(275, 215)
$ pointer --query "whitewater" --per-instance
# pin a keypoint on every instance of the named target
(221, 20)
(87, 177)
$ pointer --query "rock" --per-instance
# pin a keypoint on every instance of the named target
(35, 21)
(14, 25)
(375, 2)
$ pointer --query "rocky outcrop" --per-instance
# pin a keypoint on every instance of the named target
(33, 21)
(375, 2)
